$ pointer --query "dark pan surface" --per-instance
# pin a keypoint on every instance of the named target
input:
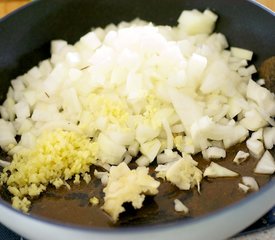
(25, 40)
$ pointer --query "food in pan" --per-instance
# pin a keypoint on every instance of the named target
(141, 94)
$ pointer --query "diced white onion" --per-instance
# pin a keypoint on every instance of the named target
(251, 183)
(266, 165)
(180, 207)
(240, 157)
(215, 170)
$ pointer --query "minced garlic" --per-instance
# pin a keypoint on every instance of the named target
(184, 173)
(126, 185)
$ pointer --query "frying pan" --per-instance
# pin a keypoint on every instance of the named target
(25, 40)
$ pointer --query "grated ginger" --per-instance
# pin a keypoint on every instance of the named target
(57, 157)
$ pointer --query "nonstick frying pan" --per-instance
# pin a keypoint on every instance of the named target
(25, 40)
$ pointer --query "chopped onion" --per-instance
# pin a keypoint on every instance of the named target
(243, 187)
(251, 183)
(4, 163)
(215, 170)
(255, 147)
(180, 207)
(213, 153)
(150, 149)
(241, 53)
(266, 165)
(240, 157)
(269, 137)
(143, 161)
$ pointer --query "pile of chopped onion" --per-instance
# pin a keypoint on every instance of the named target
(157, 92)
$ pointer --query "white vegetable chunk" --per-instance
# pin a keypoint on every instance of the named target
(247, 72)
(73, 58)
(180, 207)
(150, 149)
(9, 107)
(70, 102)
(261, 82)
(240, 157)
(183, 104)
(127, 158)
(55, 79)
(241, 53)
(269, 137)
(243, 187)
(215, 170)
(168, 132)
(120, 136)
(145, 133)
(134, 148)
(90, 41)
(22, 110)
(251, 183)
(45, 112)
(177, 128)
(28, 140)
(110, 151)
(255, 147)
(214, 153)
(194, 22)
(253, 120)
(196, 66)
(143, 161)
(266, 165)
(57, 46)
(99, 174)
(206, 128)
(258, 135)
(8, 133)
(168, 156)
(4, 163)
(216, 79)
(262, 96)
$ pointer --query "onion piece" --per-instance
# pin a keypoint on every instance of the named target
(215, 170)
(240, 157)
(251, 183)
(180, 207)
(256, 147)
(168, 132)
(266, 165)
(168, 156)
(243, 187)
(143, 161)
(258, 135)
(241, 53)
(150, 149)
(4, 163)
(269, 137)
(213, 153)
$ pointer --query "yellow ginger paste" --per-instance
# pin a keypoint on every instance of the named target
(57, 157)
